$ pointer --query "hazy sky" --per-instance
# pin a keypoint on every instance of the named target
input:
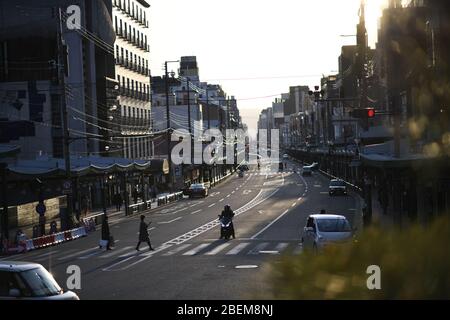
(285, 42)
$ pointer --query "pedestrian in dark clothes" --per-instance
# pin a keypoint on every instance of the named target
(105, 232)
(143, 234)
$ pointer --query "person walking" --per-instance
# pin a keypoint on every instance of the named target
(143, 234)
(106, 235)
(118, 200)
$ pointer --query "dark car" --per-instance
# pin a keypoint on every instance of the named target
(337, 187)
(198, 190)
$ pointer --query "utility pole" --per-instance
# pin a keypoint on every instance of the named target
(207, 109)
(63, 106)
(189, 118)
(169, 138)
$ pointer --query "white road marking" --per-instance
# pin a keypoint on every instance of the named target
(245, 192)
(99, 251)
(281, 246)
(43, 256)
(228, 196)
(300, 198)
(167, 222)
(221, 200)
(211, 205)
(270, 224)
(176, 249)
(293, 205)
(352, 209)
(115, 252)
(317, 186)
(258, 248)
(197, 211)
(217, 249)
(238, 248)
(233, 192)
(77, 253)
(196, 249)
(262, 196)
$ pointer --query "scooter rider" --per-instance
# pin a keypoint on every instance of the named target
(228, 213)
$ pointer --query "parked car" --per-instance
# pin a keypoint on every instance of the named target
(337, 187)
(29, 281)
(306, 171)
(325, 229)
(198, 190)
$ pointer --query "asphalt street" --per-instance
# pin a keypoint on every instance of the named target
(189, 261)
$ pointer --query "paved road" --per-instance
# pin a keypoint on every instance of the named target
(189, 261)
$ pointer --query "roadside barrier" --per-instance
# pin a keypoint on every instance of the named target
(47, 241)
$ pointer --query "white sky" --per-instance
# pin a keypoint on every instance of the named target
(299, 39)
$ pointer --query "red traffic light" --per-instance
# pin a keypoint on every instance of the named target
(363, 113)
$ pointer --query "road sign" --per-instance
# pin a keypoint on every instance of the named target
(40, 209)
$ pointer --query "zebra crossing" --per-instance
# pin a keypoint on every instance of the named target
(207, 249)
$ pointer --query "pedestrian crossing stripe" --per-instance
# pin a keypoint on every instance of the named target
(184, 249)
(217, 249)
(238, 248)
(177, 249)
(196, 249)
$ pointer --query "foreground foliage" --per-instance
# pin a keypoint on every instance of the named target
(414, 264)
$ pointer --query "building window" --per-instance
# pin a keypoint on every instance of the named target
(125, 28)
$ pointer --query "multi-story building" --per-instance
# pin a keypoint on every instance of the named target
(132, 51)
(31, 90)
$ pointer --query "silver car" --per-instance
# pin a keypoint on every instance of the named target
(29, 281)
(323, 229)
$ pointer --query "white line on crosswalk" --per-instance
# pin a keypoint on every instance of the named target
(44, 256)
(196, 249)
(166, 222)
(217, 249)
(99, 251)
(115, 252)
(197, 211)
(258, 248)
(293, 205)
(68, 256)
(211, 205)
(177, 249)
(281, 246)
(221, 200)
(238, 248)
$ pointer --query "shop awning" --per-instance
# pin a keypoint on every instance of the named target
(86, 165)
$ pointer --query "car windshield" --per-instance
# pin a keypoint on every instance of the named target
(337, 183)
(196, 186)
(40, 283)
(333, 225)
